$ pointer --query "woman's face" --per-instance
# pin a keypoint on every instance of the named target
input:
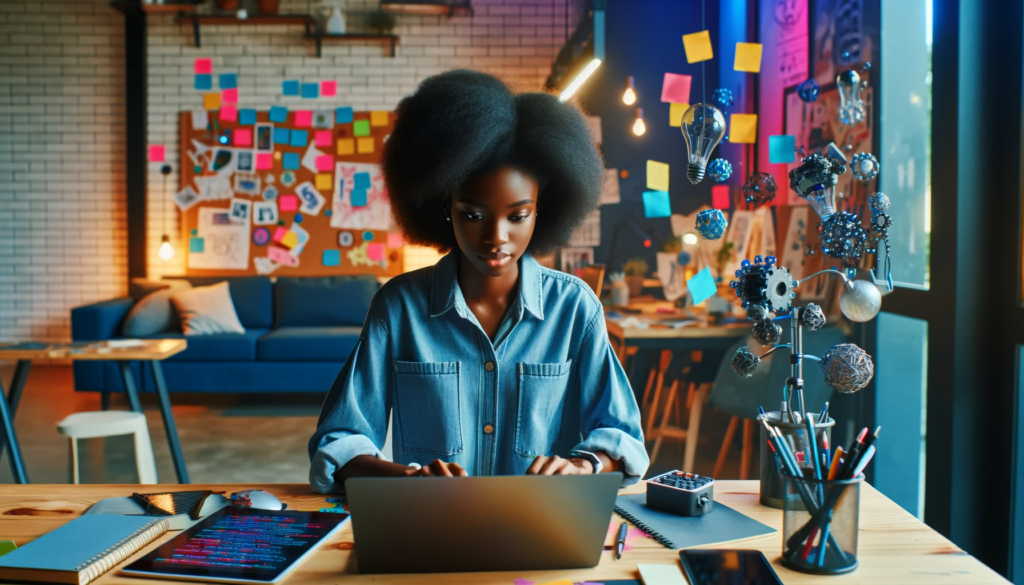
(493, 217)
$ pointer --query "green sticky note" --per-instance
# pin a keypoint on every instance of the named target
(361, 127)
(702, 286)
(7, 546)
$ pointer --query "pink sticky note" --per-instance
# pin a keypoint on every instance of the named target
(243, 136)
(323, 137)
(264, 161)
(303, 118)
(375, 251)
(279, 234)
(203, 65)
(281, 256)
(328, 88)
(229, 96)
(325, 163)
(394, 240)
(720, 198)
(288, 203)
(157, 153)
(228, 113)
(676, 88)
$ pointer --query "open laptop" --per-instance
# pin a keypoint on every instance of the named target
(497, 523)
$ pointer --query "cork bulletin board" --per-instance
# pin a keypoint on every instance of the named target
(280, 192)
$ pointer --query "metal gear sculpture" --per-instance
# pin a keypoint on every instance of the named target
(763, 287)
(847, 368)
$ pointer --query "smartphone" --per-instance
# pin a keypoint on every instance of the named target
(726, 567)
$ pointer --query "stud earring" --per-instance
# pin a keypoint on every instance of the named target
(448, 219)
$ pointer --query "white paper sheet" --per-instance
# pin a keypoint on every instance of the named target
(226, 244)
(376, 215)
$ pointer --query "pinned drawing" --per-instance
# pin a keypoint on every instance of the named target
(375, 213)
(226, 244)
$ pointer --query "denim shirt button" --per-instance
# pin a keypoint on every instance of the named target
(488, 429)
(489, 366)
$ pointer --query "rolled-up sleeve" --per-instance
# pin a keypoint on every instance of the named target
(354, 418)
(609, 416)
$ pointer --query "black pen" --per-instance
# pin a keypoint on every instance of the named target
(620, 540)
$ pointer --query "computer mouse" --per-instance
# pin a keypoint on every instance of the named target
(260, 499)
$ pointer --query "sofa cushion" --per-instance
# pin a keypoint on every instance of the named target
(217, 347)
(206, 310)
(330, 301)
(154, 313)
(309, 344)
(253, 297)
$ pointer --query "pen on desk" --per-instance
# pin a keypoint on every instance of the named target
(837, 462)
(824, 414)
(853, 455)
(825, 457)
(870, 439)
(812, 447)
(620, 540)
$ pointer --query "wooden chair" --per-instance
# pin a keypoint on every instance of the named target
(593, 275)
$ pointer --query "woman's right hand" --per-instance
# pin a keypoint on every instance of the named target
(438, 468)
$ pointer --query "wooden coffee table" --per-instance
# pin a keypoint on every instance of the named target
(123, 352)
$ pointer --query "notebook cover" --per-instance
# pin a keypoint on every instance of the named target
(722, 524)
(78, 541)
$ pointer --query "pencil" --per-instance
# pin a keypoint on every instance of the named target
(837, 462)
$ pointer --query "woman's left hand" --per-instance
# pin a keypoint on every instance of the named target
(544, 465)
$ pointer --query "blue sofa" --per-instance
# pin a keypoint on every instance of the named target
(299, 332)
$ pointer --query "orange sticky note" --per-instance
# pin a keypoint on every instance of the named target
(743, 128)
(365, 145)
(324, 181)
(675, 114)
(748, 57)
(211, 101)
(346, 146)
(698, 47)
(379, 118)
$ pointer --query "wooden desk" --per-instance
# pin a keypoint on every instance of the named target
(894, 547)
(149, 350)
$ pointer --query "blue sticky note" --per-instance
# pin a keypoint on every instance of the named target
(281, 136)
(343, 115)
(247, 116)
(656, 204)
(299, 138)
(332, 257)
(362, 180)
(228, 81)
(782, 149)
(291, 161)
(290, 87)
(278, 114)
(196, 245)
(358, 197)
(702, 286)
(203, 81)
(310, 90)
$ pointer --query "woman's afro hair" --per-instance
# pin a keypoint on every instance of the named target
(462, 123)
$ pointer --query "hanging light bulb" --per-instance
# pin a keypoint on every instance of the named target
(690, 238)
(166, 251)
(629, 96)
(639, 127)
(703, 127)
(816, 178)
(851, 106)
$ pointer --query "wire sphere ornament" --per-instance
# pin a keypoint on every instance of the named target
(760, 188)
(879, 202)
(763, 284)
(711, 224)
(812, 317)
(720, 170)
(847, 368)
(809, 91)
(766, 332)
(723, 97)
(843, 238)
(744, 362)
(864, 166)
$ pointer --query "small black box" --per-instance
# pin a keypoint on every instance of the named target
(686, 494)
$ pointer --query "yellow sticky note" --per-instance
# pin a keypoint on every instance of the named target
(290, 239)
(657, 176)
(365, 145)
(379, 118)
(748, 57)
(675, 114)
(698, 47)
(743, 128)
(211, 101)
(324, 181)
(346, 146)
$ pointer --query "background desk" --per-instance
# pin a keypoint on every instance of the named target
(894, 546)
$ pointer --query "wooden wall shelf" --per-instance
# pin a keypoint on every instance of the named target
(229, 19)
(321, 37)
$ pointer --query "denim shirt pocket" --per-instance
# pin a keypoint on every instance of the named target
(542, 391)
(428, 407)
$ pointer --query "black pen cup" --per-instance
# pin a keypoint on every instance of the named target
(772, 488)
(820, 524)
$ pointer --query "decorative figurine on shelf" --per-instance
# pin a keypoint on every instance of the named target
(723, 97)
(711, 224)
(864, 166)
(760, 188)
(720, 170)
(808, 91)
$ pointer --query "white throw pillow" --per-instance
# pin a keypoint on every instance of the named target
(207, 309)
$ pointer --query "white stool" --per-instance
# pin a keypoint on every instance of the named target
(111, 423)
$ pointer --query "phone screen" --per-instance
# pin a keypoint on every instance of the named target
(727, 567)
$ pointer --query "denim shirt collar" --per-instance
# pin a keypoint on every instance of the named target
(444, 285)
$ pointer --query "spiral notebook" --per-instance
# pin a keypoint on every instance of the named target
(722, 524)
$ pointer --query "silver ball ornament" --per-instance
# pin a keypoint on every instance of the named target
(862, 303)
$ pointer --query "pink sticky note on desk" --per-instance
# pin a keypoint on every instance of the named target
(325, 163)
(676, 88)
(229, 96)
(228, 113)
(323, 138)
(203, 65)
(264, 161)
(281, 256)
(157, 153)
(243, 137)
(375, 251)
(720, 198)
(328, 88)
(303, 118)
(288, 203)
(395, 240)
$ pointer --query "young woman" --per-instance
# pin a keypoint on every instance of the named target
(489, 363)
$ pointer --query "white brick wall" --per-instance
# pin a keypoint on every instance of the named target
(62, 194)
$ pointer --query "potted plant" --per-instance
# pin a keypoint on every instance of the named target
(381, 21)
(636, 269)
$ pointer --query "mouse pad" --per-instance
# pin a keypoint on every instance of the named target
(722, 524)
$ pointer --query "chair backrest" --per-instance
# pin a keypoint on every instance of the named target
(593, 275)
(617, 339)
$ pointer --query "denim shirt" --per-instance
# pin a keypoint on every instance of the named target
(550, 383)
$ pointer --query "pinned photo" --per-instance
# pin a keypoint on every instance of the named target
(223, 160)
(264, 137)
(186, 198)
(247, 184)
(323, 119)
(245, 161)
(264, 213)
(240, 209)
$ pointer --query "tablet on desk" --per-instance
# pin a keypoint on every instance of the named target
(239, 545)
